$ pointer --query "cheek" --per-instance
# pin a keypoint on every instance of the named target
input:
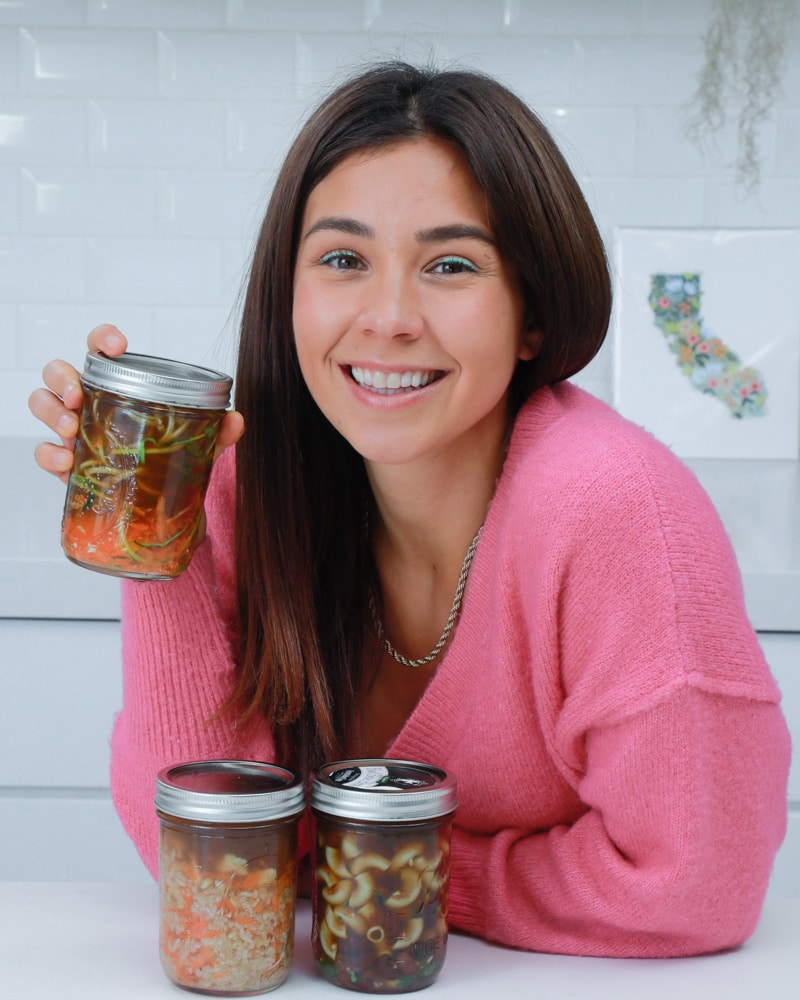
(300, 303)
(315, 337)
(490, 335)
(303, 345)
(305, 320)
(314, 315)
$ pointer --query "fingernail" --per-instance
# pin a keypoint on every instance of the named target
(67, 423)
(112, 340)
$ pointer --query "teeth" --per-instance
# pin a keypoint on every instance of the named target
(393, 382)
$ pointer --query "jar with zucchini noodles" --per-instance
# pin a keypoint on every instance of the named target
(382, 866)
(143, 457)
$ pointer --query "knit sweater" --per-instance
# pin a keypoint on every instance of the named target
(615, 731)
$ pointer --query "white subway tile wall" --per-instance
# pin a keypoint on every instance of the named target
(139, 141)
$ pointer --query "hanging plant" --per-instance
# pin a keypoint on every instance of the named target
(744, 50)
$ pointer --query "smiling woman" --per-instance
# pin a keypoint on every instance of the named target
(466, 138)
(429, 545)
(398, 279)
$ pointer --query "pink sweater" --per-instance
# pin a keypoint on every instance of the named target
(621, 755)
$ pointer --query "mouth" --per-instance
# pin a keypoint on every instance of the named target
(391, 383)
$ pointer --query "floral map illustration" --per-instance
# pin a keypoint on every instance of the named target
(707, 362)
(706, 350)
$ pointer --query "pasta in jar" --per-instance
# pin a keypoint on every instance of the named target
(380, 894)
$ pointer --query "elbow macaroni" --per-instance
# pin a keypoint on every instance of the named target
(380, 908)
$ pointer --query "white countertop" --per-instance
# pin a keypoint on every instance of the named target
(758, 500)
(95, 941)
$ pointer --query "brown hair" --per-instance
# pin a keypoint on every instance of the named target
(304, 566)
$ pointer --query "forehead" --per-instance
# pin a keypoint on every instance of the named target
(421, 174)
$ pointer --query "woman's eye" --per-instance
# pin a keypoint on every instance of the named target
(341, 260)
(453, 265)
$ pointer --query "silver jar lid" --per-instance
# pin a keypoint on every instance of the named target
(229, 791)
(383, 790)
(158, 380)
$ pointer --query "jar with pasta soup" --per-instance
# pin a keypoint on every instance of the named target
(381, 865)
(227, 874)
(143, 457)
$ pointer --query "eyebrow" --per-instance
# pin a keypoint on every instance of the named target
(341, 224)
(437, 234)
(454, 231)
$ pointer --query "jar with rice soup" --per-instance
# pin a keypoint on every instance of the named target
(228, 874)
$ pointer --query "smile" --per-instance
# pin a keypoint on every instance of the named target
(389, 383)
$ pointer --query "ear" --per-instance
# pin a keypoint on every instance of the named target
(530, 344)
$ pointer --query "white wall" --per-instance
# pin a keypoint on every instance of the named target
(138, 139)
(137, 143)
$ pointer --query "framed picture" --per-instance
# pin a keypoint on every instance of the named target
(707, 339)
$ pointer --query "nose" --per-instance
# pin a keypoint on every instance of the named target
(391, 306)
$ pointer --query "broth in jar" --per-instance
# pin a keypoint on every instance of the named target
(227, 874)
(143, 458)
(381, 864)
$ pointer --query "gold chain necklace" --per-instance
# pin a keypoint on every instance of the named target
(451, 618)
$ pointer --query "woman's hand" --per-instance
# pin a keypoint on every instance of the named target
(58, 405)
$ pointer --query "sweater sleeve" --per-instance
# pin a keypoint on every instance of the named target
(178, 668)
(658, 714)
(672, 855)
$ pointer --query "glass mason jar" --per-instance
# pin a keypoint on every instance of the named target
(381, 864)
(228, 874)
(143, 457)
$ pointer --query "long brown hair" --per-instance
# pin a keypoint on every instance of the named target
(304, 566)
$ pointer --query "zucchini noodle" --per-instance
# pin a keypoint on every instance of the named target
(138, 484)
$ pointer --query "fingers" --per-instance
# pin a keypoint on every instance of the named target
(108, 339)
(56, 406)
(58, 403)
(54, 459)
(46, 406)
(230, 430)
(64, 382)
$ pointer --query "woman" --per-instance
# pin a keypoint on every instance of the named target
(431, 546)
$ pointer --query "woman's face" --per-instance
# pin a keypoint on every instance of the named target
(407, 321)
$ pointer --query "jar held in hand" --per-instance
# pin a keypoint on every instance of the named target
(143, 457)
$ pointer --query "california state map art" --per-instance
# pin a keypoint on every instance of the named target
(707, 339)
(705, 359)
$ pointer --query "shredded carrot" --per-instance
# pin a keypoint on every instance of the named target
(224, 929)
